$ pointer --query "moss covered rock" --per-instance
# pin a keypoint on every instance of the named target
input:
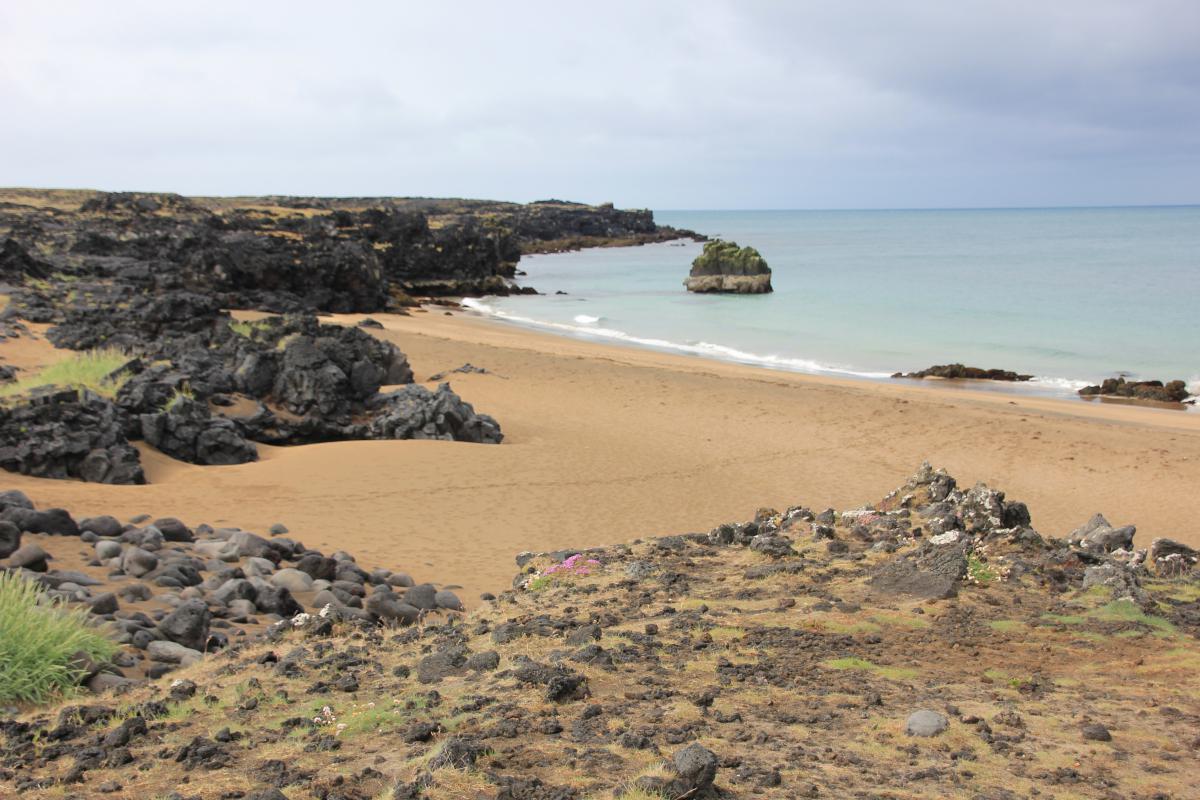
(725, 267)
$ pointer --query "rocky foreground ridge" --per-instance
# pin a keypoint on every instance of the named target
(933, 644)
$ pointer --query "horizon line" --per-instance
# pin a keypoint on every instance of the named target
(1113, 207)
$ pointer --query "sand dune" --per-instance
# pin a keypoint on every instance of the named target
(607, 444)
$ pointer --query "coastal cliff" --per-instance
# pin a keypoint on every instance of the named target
(292, 253)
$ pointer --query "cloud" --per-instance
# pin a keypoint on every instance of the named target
(671, 104)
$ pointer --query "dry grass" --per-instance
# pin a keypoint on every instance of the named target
(87, 370)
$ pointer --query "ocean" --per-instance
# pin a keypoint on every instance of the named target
(1069, 295)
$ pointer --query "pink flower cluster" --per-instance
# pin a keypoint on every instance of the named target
(575, 565)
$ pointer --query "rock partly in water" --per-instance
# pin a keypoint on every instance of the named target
(1170, 392)
(960, 372)
(725, 268)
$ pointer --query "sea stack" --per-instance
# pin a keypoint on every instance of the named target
(725, 267)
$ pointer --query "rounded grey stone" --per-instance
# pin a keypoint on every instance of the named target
(925, 723)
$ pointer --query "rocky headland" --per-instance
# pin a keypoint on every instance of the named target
(725, 268)
(143, 283)
(297, 254)
(932, 644)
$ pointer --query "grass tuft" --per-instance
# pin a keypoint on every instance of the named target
(247, 329)
(38, 639)
(86, 370)
(863, 665)
(184, 392)
(1128, 611)
(979, 572)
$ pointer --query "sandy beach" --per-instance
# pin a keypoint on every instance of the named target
(606, 444)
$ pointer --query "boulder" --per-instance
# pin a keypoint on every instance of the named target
(690, 773)
(925, 723)
(933, 572)
(414, 412)
(187, 625)
(386, 607)
(16, 264)
(1171, 559)
(252, 545)
(423, 596)
(137, 562)
(30, 557)
(10, 538)
(1116, 577)
(15, 497)
(173, 530)
(1097, 535)
(726, 268)
(292, 579)
(104, 603)
(444, 598)
(107, 548)
(54, 521)
(172, 653)
(68, 433)
(102, 526)
(188, 431)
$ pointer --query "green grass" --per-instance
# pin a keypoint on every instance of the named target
(1185, 590)
(86, 370)
(1064, 619)
(540, 582)
(914, 621)
(247, 329)
(862, 664)
(367, 720)
(978, 571)
(37, 641)
(1127, 611)
(1006, 625)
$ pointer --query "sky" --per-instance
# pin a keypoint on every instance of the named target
(667, 105)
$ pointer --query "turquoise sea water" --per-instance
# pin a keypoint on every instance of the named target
(1068, 295)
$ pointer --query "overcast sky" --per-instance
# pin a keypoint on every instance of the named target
(660, 104)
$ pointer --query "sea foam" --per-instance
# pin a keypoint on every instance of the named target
(721, 352)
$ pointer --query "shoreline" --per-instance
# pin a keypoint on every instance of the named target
(607, 444)
(988, 391)
(1044, 387)
(1039, 386)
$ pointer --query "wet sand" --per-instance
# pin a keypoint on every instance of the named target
(606, 444)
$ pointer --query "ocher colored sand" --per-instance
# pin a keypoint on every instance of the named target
(608, 444)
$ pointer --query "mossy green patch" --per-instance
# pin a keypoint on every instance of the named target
(862, 664)
(1006, 625)
(1128, 611)
(979, 572)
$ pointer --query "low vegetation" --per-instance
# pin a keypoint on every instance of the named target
(39, 643)
(91, 370)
